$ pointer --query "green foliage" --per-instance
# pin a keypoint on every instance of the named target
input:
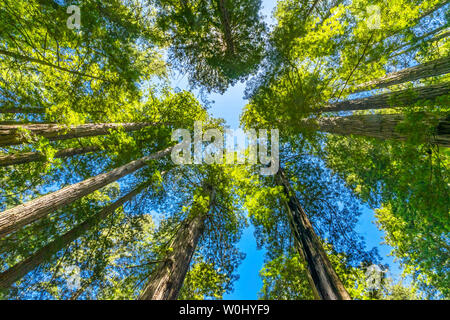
(217, 42)
(399, 178)
(113, 70)
(203, 281)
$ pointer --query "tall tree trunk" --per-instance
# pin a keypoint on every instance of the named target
(430, 69)
(10, 135)
(18, 56)
(19, 216)
(226, 24)
(27, 157)
(400, 98)
(166, 281)
(22, 110)
(437, 38)
(16, 272)
(415, 43)
(324, 281)
(80, 290)
(383, 126)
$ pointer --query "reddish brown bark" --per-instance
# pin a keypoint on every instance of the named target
(226, 24)
(27, 157)
(384, 126)
(166, 281)
(19, 216)
(22, 110)
(9, 134)
(18, 56)
(323, 279)
(430, 69)
(16, 272)
(400, 98)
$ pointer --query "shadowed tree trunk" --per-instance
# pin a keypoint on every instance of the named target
(10, 134)
(324, 281)
(18, 56)
(166, 281)
(22, 110)
(419, 43)
(80, 290)
(400, 98)
(16, 272)
(26, 157)
(429, 69)
(225, 20)
(383, 126)
(19, 216)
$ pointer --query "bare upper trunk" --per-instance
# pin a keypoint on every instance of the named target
(10, 134)
(324, 281)
(166, 281)
(402, 98)
(418, 43)
(19, 216)
(26, 157)
(384, 126)
(430, 69)
(226, 24)
(16, 272)
(22, 110)
(18, 56)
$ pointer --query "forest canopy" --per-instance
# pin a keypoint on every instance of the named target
(355, 95)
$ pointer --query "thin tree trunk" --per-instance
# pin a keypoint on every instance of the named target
(430, 69)
(27, 157)
(166, 281)
(80, 291)
(22, 110)
(400, 98)
(416, 20)
(9, 134)
(24, 214)
(18, 56)
(444, 35)
(324, 281)
(414, 44)
(16, 272)
(313, 6)
(383, 126)
(225, 19)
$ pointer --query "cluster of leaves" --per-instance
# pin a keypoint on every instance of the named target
(217, 42)
(111, 70)
(286, 278)
(319, 52)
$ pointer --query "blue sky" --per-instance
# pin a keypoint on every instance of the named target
(229, 106)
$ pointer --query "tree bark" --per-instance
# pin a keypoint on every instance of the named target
(18, 56)
(27, 157)
(22, 110)
(415, 43)
(9, 134)
(166, 281)
(444, 35)
(430, 69)
(324, 281)
(400, 98)
(225, 19)
(16, 272)
(383, 126)
(24, 214)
